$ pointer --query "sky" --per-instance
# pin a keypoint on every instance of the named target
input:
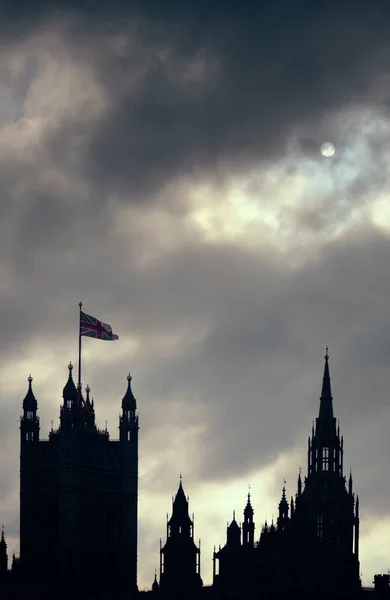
(161, 162)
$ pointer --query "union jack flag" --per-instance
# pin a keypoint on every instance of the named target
(92, 327)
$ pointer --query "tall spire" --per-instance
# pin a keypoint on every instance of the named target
(129, 402)
(29, 402)
(326, 406)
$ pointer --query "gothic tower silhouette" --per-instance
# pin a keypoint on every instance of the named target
(79, 494)
(180, 557)
(313, 549)
(325, 524)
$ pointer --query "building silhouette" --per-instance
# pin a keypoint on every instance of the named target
(78, 495)
(78, 517)
(313, 549)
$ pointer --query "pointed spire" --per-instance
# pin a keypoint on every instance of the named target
(283, 504)
(2, 541)
(29, 402)
(350, 483)
(248, 510)
(129, 402)
(155, 586)
(326, 406)
(299, 484)
(70, 391)
(180, 503)
(87, 398)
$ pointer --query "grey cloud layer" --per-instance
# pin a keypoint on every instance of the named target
(233, 337)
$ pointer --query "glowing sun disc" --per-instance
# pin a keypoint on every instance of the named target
(328, 149)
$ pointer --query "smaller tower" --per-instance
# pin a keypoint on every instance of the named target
(233, 533)
(128, 421)
(180, 557)
(3, 557)
(248, 526)
(357, 526)
(29, 424)
(89, 409)
(69, 408)
(300, 482)
(283, 520)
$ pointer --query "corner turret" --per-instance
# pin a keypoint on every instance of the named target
(29, 422)
(248, 526)
(128, 421)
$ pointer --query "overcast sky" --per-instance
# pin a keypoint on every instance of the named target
(160, 161)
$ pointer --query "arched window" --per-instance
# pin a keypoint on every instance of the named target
(325, 459)
(320, 526)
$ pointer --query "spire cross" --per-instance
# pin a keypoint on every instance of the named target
(326, 353)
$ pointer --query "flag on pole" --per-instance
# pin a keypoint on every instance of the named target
(92, 327)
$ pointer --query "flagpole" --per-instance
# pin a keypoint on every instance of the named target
(79, 381)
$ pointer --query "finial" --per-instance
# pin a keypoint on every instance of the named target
(181, 478)
(234, 515)
(87, 389)
(129, 377)
(326, 353)
(70, 367)
(29, 379)
(80, 304)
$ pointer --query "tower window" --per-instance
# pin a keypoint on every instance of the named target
(325, 459)
(69, 404)
(320, 526)
(30, 415)
(128, 436)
